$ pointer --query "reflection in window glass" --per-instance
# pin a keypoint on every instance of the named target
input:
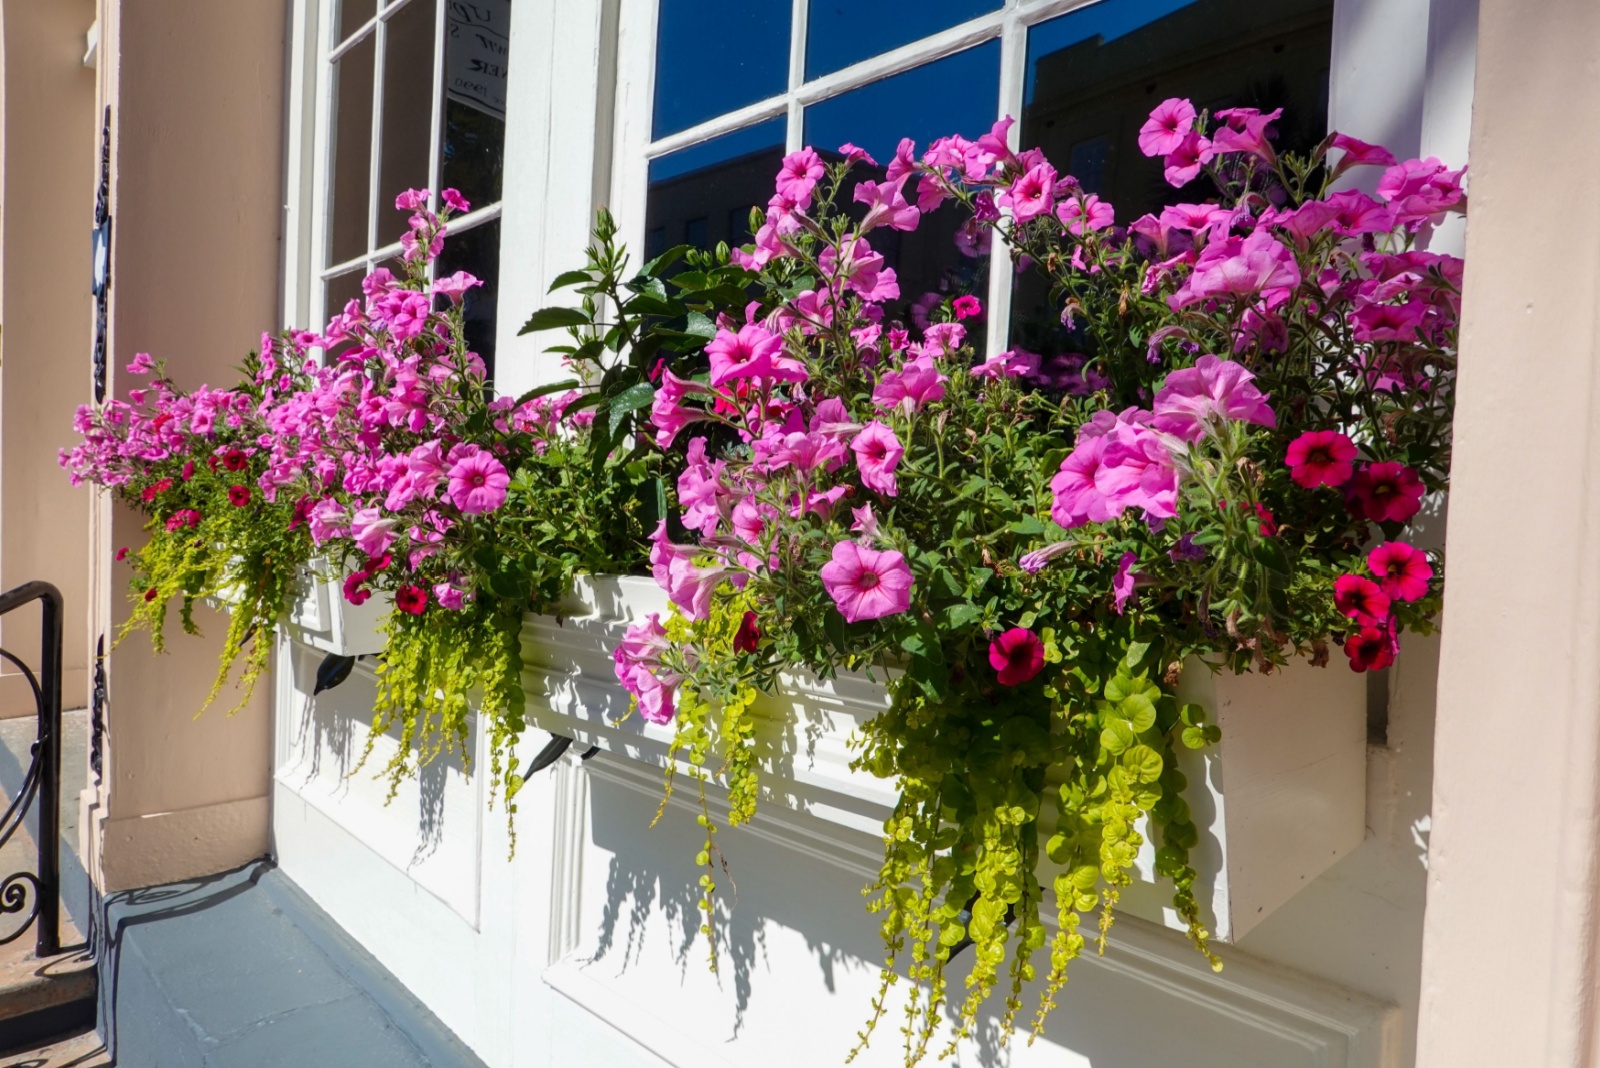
(476, 251)
(473, 143)
(1095, 74)
(407, 106)
(341, 289)
(716, 56)
(959, 94)
(841, 32)
(352, 152)
(353, 14)
(703, 194)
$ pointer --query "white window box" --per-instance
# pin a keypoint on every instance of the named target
(323, 619)
(1279, 800)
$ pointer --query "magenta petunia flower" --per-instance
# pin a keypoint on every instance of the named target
(1361, 599)
(753, 352)
(1016, 656)
(1321, 458)
(1212, 389)
(878, 453)
(238, 496)
(642, 672)
(799, 175)
(1164, 131)
(1402, 570)
(1241, 267)
(1182, 164)
(478, 482)
(1123, 583)
(1384, 493)
(966, 306)
(1031, 195)
(1358, 153)
(867, 583)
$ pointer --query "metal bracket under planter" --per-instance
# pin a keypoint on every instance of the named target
(1277, 801)
(323, 619)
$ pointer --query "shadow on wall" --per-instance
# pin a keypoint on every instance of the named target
(778, 907)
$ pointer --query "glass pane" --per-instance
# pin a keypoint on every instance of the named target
(476, 251)
(702, 195)
(959, 94)
(1094, 75)
(353, 14)
(340, 290)
(352, 152)
(839, 32)
(715, 56)
(477, 36)
(407, 109)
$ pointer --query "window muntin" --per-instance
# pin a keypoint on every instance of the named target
(415, 99)
(875, 53)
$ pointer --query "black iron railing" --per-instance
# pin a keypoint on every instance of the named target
(42, 783)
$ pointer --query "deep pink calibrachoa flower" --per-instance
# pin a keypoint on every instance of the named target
(867, 583)
(748, 636)
(1321, 458)
(1384, 493)
(412, 600)
(1167, 126)
(1016, 656)
(1361, 599)
(966, 306)
(878, 452)
(122, 554)
(478, 483)
(1402, 570)
(355, 590)
(238, 496)
(1371, 648)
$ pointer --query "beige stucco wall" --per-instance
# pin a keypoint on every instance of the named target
(196, 90)
(46, 198)
(1509, 951)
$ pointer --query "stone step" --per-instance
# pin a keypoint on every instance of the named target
(44, 997)
(81, 1050)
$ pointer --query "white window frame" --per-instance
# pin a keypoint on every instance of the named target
(310, 189)
(635, 147)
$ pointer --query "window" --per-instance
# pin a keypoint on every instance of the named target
(415, 98)
(738, 83)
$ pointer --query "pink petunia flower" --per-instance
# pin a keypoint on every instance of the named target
(916, 383)
(1082, 215)
(456, 285)
(1031, 195)
(1321, 458)
(867, 583)
(1402, 570)
(372, 533)
(641, 670)
(886, 205)
(1212, 389)
(1167, 127)
(455, 201)
(478, 482)
(799, 175)
(1183, 163)
(1123, 582)
(1016, 656)
(753, 352)
(1358, 153)
(878, 453)
(1241, 267)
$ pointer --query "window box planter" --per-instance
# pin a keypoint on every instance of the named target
(1277, 801)
(324, 620)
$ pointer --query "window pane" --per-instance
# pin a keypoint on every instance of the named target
(352, 152)
(702, 195)
(959, 94)
(407, 108)
(353, 14)
(1094, 75)
(839, 32)
(716, 56)
(476, 251)
(340, 290)
(476, 54)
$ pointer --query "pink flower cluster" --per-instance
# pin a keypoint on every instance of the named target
(1399, 572)
(366, 436)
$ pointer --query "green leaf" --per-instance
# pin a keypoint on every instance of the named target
(1136, 653)
(1027, 526)
(1116, 737)
(1140, 710)
(629, 400)
(960, 615)
(554, 318)
(1194, 737)
(701, 325)
(570, 278)
(548, 387)
(1118, 687)
(1144, 763)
